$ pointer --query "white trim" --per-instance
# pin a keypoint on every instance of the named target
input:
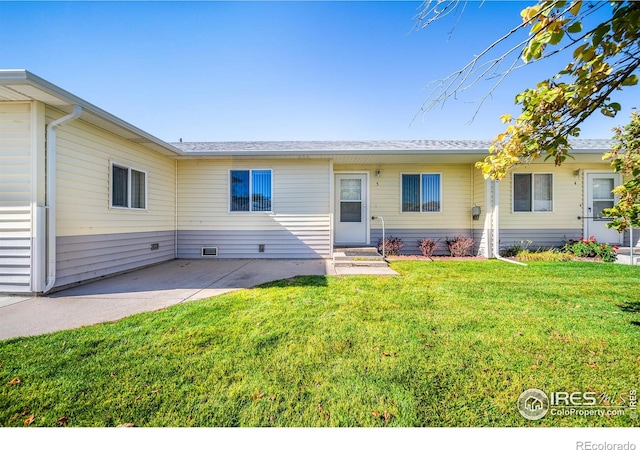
(553, 193)
(585, 202)
(332, 215)
(420, 192)
(488, 226)
(38, 196)
(129, 168)
(367, 215)
(250, 170)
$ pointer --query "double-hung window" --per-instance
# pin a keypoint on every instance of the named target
(532, 192)
(250, 190)
(128, 187)
(421, 192)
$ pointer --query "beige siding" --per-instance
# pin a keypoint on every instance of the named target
(83, 183)
(385, 196)
(568, 198)
(479, 198)
(15, 197)
(93, 239)
(15, 154)
(298, 226)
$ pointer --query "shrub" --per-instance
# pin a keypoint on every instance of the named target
(590, 248)
(427, 246)
(517, 248)
(459, 246)
(392, 246)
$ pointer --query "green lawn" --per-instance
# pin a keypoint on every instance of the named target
(445, 344)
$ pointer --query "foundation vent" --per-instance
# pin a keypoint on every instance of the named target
(209, 251)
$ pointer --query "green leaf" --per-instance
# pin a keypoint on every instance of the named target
(598, 35)
(543, 38)
(631, 80)
(578, 51)
(588, 54)
(556, 37)
(575, 27)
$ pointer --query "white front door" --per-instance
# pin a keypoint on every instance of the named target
(598, 197)
(351, 220)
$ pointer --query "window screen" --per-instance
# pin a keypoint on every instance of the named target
(120, 187)
(250, 190)
(532, 192)
(421, 192)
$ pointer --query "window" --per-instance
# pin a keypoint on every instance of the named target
(128, 188)
(421, 192)
(532, 192)
(250, 190)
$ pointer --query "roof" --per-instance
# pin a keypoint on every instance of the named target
(21, 85)
(319, 148)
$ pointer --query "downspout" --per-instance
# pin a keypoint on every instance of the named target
(495, 245)
(175, 221)
(51, 194)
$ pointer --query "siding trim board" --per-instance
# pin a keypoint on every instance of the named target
(278, 244)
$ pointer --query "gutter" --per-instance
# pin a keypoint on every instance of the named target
(51, 194)
(495, 245)
(22, 82)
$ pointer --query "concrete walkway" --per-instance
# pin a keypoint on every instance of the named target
(153, 288)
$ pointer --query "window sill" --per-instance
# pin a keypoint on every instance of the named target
(124, 208)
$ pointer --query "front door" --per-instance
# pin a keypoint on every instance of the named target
(598, 197)
(351, 209)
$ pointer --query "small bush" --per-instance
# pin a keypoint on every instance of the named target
(392, 246)
(590, 248)
(427, 246)
(459, 246)
(517, 248)
(546, 255)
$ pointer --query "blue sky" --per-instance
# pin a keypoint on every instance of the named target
(218, 71)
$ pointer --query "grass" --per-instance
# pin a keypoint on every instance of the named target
(445, 344)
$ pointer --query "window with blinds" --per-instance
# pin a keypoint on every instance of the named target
(250, 190)
(532, 192)
(421, 192)
(128, 187)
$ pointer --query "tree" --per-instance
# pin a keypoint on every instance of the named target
(602, 60)
(625, 159)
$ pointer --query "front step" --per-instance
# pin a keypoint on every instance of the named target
(360, 257)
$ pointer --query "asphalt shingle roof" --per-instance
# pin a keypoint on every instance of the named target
(364, 147)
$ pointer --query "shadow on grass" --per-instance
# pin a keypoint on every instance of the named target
(297, 281)
(633, 308)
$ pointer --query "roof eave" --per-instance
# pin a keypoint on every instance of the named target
(19, 77)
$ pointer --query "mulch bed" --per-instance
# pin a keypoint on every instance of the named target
(435, 258)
